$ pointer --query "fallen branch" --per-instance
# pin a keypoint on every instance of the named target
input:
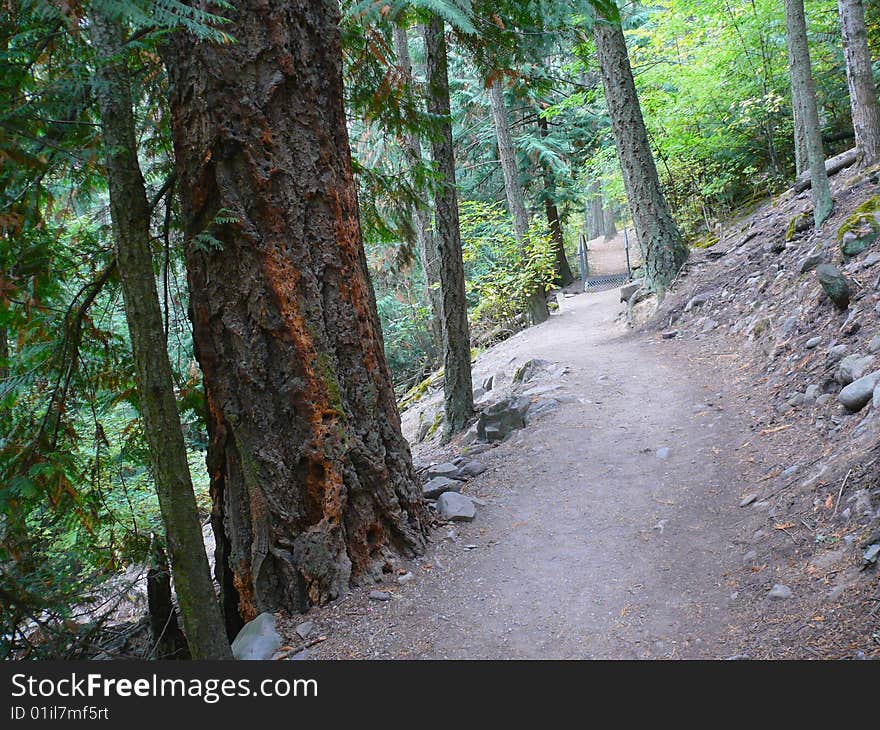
(833, 165)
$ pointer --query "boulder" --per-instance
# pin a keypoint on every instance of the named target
(446, 469)
(856, 395)
(499, 420)
(529, 369)
(472, 469)
(438, 485)
(257, 640)
(456, 507)
(696, 301)
(834, 284)
(853, 367)
(779, 592)
(627, 290)
(809, 262)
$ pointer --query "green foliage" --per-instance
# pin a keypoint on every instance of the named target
(501, 273)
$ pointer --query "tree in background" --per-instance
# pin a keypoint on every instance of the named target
(311, 479)
(803, 95)
(537, 303)
(860, 77)
(458, 396)
(421, 213)
(662, 246)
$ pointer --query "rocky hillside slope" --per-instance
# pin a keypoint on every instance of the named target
(790, 317)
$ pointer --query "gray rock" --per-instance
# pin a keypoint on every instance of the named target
(813, 342)
(857, 394)
(810, 262)
(305, 629)
(708, 325)
(811, 395)
(824, 398)
(836, 353)
(300, 656)
(405, 578)
(748, 499)
(852, 368)
(795, 400)
(446, 469)
(379, 596)
(472, 469)
(499, 420)
(456, 507)
(438, 485)
(669, 334)
(874, 344)
(869, 557)
(834, 284)
(871, 259)
(529, 369)
(663, 453)
(779, 592)
(488, 383)
(627, 290)
(539, 408)
(696, 301)
(875, 398)
(257, 640)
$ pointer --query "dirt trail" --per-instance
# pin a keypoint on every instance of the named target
(588, 543)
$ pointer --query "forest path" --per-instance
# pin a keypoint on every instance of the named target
(589, 543)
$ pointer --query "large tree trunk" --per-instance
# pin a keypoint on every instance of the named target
(130, 215)
(659, 237)
(536, 302)
(428, 255)
(458, 395)
(561, 268)
(311, 478)
(804, 99)
(860, 77)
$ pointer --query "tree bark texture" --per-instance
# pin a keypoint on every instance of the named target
(659, 237)
(597, 217)
(311, 478)
(130, 215)
(803, 95)
(860, 78)
(428, 255)
(537, 303)
(561, 267)
(458, 395)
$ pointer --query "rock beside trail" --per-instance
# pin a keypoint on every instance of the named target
(779, 592)
(455, 507)
(529, 370)
(472, 469)
(627, 290)
(438, 485)
(257, 640)
(809, 262)
(853, 367)
(446, 469)
(834, 284)
(499, 420)
(856, 395)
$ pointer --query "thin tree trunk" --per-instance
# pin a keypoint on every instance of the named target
(860, 77)
(311, 478)
(536, 303)
(658, 235)
(428, 255)
(130, 215)
(597, 218)
(561, 268)
(458, 396)
(804, 99)
(610, 227)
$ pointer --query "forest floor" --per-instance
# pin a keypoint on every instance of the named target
(608, 528)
